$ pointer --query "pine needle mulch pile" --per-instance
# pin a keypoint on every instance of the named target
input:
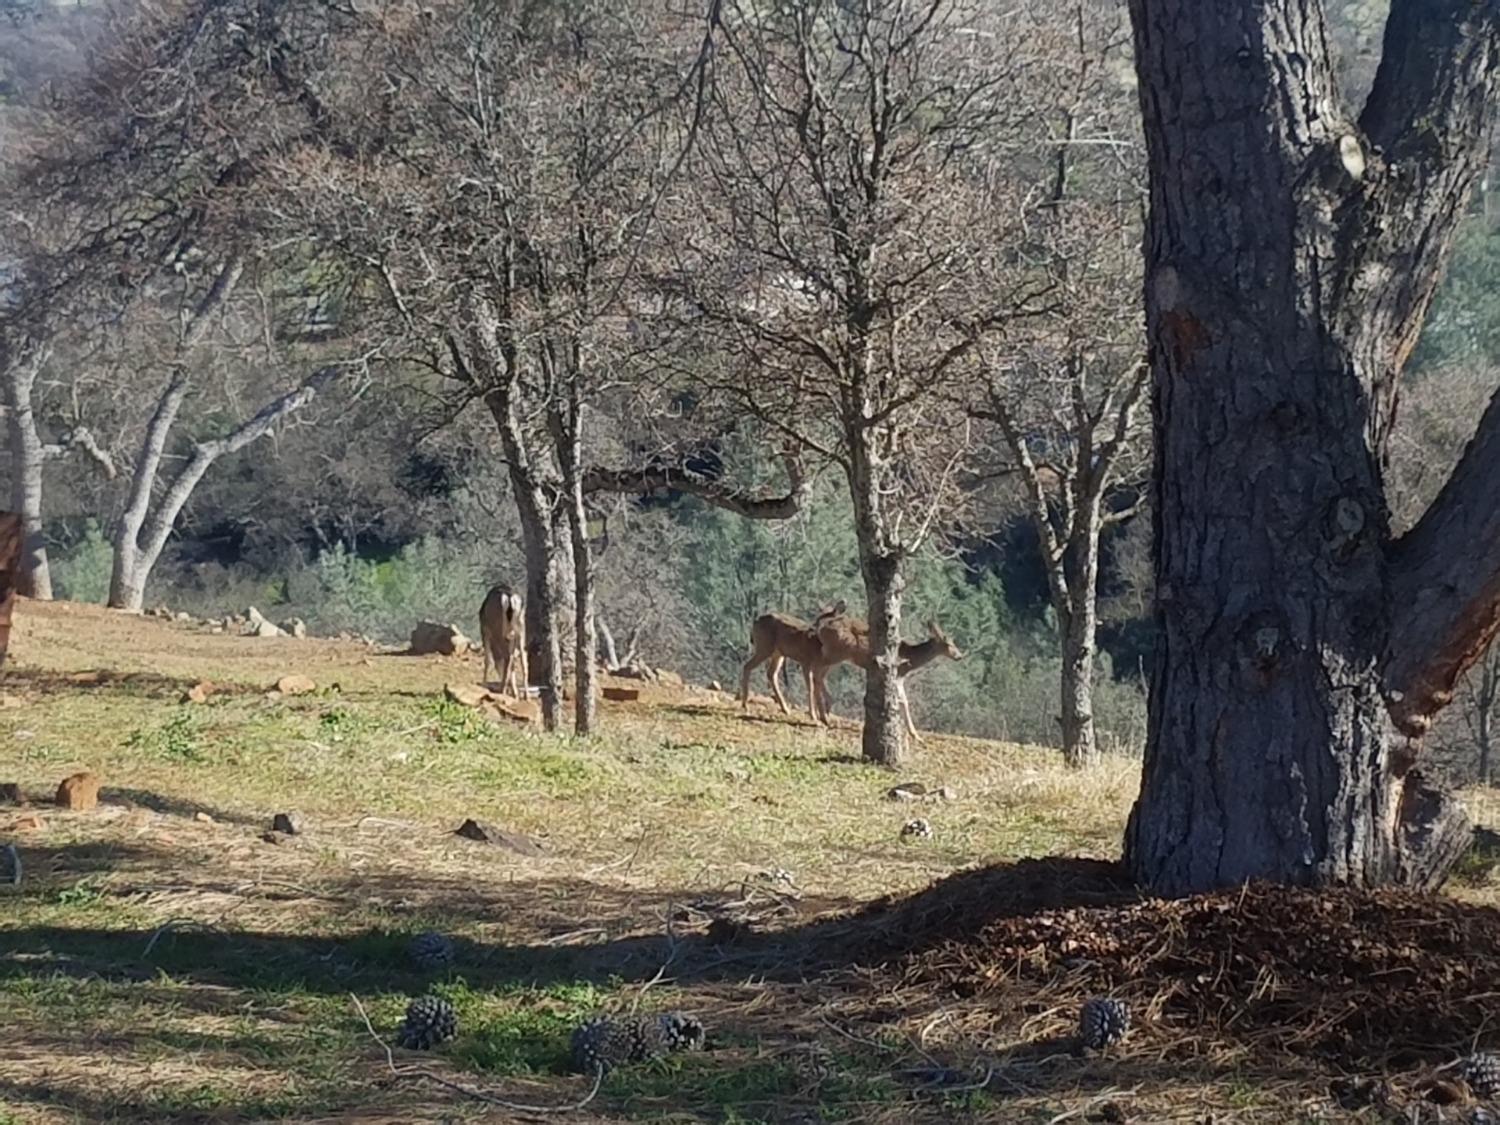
(1385, 979)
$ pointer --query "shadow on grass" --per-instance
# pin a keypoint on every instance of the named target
(167, 805)
(144, 685)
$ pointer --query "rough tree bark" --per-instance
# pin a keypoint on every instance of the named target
(143, 534)
(1291, 255)
(565, 419)
(12, 537)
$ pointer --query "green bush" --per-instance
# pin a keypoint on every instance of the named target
(82, 573)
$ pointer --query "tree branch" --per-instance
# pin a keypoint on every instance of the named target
(646, 481)
(1444, 585)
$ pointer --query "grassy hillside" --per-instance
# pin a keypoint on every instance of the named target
(163, 960)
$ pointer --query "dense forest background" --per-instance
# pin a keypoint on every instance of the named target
(367, 512)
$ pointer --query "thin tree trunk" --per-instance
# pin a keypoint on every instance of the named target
(1290, 257)
(884, 737)
(566, 419)
(1079, 628)
(27, 455)
(127, 583)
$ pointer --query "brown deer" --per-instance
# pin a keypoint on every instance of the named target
(502, 635)
(779, 637)
(847, 640)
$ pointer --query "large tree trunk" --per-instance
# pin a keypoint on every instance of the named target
(1079, 626)
(1289, 264)
(127, 582)
(34, 578)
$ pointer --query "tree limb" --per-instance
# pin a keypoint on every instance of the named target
(1444, 585)
(679, 479)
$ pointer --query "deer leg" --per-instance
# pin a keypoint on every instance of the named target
(484, 643)
(750, 666)
(818, 697)
(911, 727)
(773, 674)
(507, 668)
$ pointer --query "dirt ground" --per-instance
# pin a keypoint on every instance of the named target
(166, 957)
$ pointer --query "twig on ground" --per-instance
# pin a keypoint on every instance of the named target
(469, 1091)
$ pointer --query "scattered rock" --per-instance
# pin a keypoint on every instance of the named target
(714, 685)
(256, 624)
(295, 685)
(621, 694)
(90, 677)
(947, 793)
(10, 794)
(80, 792)
(199, 692)
(468, 695)
(32, 823)
(9, 701)
(159, 611)
(286, 823)
(670, 679)
(917, 829)
(277, 838)
(633, 672)
(204, 818)
(182, 616)
(431, 639)
(490, 834)
(294, 627)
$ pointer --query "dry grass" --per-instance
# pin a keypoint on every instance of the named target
(162, 961)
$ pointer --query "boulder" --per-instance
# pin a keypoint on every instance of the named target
(670, 679)
(294, 627)
(432, 639)
(256, 625)
(295, 685)
(286, 824)
(199, 692)
(80, 792)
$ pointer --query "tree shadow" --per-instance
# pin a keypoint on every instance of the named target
(167, 805)
(143, 685)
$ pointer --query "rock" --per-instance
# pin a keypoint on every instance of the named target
(467, 695)
(7, 702)
(199, 692)
(80, 792)
(86, 678)
(288, 824)
(183, 617)
(906, 791)
(10, 794)
(204, 818)
(489, 834)
(275, 837)
(947, 793)
(256, 624)
(216, 627)
(32, 823)
(714, 685)
(294, 627)
(918, 829)
(634, 672)
(621, 694)
(670, 679)
(295, 685)
(431, 639)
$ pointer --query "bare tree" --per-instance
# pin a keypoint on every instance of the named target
(1292, 248)
(843, 187)
(1064, 389)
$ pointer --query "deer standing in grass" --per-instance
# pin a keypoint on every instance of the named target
(779, 637)
(845, 639)
(502, 635)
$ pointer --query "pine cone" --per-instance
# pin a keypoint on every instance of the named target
(429, 1021)
(603, 1043)
(1102, 1022)
(1482, 1072)
(430, 950)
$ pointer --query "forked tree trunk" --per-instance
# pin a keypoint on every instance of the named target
(27, 455)
(544, 576)
(1291, 254)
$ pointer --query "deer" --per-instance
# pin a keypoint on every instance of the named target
(502, 635)
(845, 639)
(779, 637)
